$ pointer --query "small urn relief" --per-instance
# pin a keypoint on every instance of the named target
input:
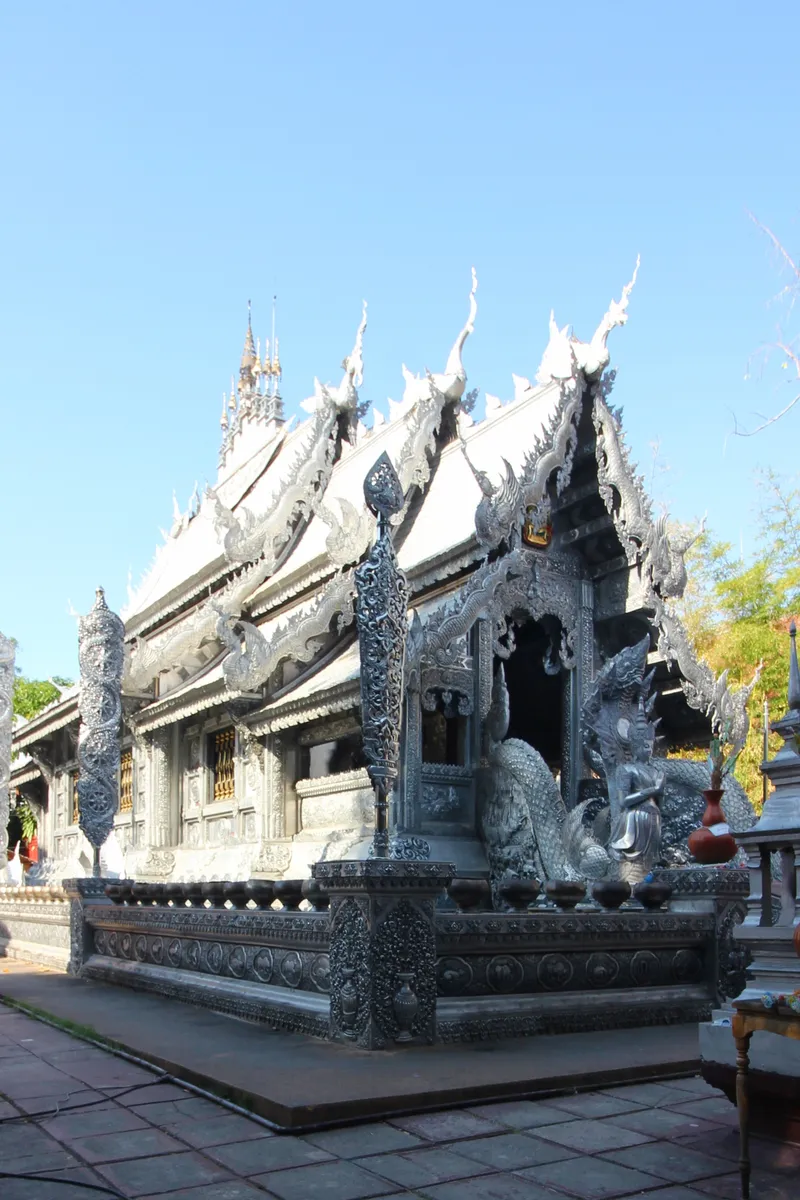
(405, 1005)
(348, 999)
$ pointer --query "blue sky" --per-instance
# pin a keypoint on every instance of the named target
(166, 162)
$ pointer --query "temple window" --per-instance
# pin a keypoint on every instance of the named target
(126, 780)
(444, 739)
(332, 758)
(221, 758)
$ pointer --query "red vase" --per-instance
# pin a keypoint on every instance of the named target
(709, 844)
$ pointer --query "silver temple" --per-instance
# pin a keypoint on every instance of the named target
(533, 562)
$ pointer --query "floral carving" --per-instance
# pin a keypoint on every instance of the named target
(504, 973)
(601, 969)
(263, 964)
(454, 975)
(291, 969)
(237, 962)
(555, 972)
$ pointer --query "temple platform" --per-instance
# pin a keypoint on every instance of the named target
(300, 1083)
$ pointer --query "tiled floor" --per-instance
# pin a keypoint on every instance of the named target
(99, 1126)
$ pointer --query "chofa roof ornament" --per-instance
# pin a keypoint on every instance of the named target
(565, 353)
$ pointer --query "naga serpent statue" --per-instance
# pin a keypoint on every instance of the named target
(525, 826)
(653, 803)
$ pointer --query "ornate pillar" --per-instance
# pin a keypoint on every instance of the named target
(274, 825)
(6, 720)
(383, 949)
(159, 826)
(382, 619)
(101, 657)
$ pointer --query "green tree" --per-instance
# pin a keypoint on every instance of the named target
(32, 695)
(739, 613)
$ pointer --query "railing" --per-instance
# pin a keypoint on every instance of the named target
(369, 959)
(34, 924)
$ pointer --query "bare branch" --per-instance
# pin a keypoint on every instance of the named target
(786, 348)
(782, 252)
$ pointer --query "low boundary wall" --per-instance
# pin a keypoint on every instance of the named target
(34, 925)
(386, 967)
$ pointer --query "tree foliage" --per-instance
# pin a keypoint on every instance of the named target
(739, 612)
(32, 695)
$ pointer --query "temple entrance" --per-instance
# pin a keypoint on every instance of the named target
(535, 697)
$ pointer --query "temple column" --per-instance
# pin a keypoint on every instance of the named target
(275, 850)
(383, 949)
(159, 830)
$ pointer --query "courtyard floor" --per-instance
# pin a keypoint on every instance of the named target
(80, 1123)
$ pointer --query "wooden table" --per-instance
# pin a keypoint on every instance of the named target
(747, 1020)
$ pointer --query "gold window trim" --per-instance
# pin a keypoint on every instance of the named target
(224, 773)
(126, 781)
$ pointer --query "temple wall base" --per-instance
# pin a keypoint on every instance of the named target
(34, 925)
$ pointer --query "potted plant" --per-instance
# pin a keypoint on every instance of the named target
(713, 843)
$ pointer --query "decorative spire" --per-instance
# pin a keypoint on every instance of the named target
(248, 371)
(272, 371)
(224, 418)
(249, 351)
(794, 673)
(232, 401)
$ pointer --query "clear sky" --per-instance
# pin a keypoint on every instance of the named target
(164, 162)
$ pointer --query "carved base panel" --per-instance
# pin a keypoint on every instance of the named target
(35, 931)
(277, 1007)
(468, 1020)
(723, 892)
(561, 954)
(281, 949)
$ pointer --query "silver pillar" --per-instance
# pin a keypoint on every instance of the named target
(101, 656)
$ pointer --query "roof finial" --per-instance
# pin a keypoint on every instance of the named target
(224, 418)
(232, 401)
(794, 673)
(275, 365)
(249, 352)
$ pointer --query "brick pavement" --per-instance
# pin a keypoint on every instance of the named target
(67, 1111)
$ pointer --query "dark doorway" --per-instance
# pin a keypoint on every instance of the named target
(534, 696)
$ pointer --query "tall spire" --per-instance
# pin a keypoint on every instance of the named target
(272, 368)
(249, 351)
(248, 372)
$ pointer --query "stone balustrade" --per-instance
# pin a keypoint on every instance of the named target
(368, 953)
(34, 924)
